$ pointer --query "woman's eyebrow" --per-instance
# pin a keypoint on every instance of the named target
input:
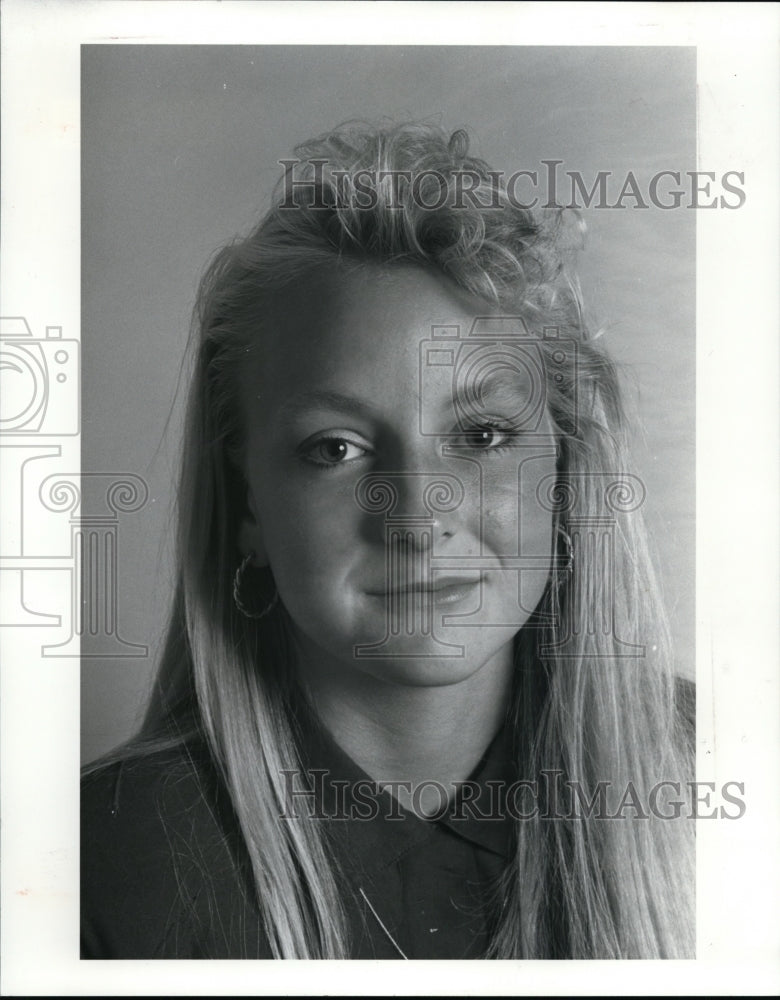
(325, 399)
(500, 387)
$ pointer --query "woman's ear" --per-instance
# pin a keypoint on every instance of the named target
(250, 534)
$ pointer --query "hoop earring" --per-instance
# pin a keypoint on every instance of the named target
(237, 582)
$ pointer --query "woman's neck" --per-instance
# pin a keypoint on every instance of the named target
(408, 734)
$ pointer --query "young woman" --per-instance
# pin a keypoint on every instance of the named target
(417, 697)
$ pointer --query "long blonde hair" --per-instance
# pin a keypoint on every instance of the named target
(577, 886)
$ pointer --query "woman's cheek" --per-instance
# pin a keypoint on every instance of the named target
(515, 523)
(312, 529)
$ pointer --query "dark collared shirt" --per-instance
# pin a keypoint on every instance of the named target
(418, 887)
(164, 873)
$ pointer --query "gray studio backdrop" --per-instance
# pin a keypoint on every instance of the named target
(179, 152)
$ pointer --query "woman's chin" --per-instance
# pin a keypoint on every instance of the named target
(431, 661)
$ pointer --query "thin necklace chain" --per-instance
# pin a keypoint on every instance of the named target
(379, 920)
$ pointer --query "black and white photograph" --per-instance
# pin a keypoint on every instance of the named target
(378, 496)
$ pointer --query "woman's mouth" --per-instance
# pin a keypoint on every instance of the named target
(440, 591)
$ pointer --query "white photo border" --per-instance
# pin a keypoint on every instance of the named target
(737, 447)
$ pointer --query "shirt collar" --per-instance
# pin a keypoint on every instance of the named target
(369, 827)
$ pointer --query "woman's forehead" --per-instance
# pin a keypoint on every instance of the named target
(389, 339)
(374, 308)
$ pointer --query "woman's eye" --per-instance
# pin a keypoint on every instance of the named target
(485, 438)
(333, 451)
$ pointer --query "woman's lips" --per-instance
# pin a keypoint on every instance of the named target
(441, 590)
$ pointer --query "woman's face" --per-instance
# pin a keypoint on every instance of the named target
(393, 454)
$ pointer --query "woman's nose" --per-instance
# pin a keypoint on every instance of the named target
(423, 506)
(420, 533)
